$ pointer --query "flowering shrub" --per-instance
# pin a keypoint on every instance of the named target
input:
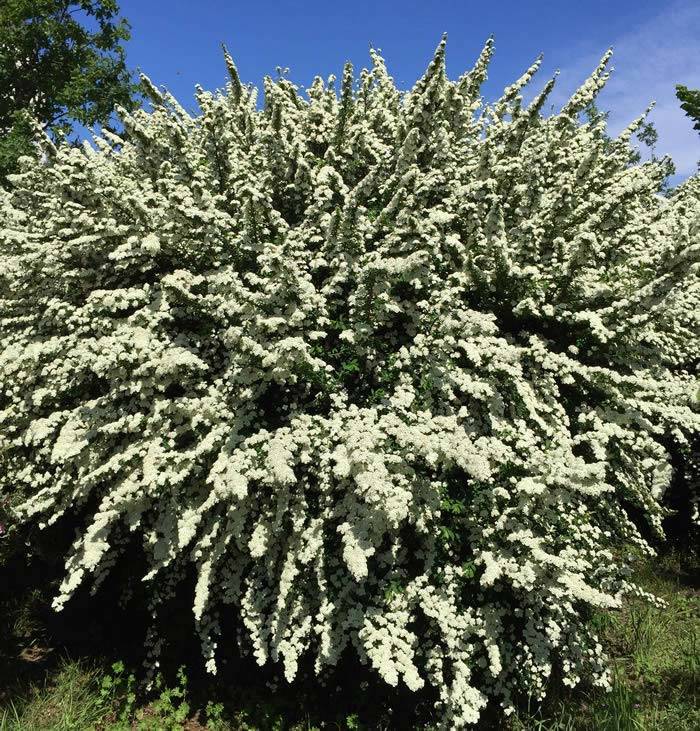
(396, 373)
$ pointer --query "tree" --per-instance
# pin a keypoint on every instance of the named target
(61, 62)
(690, 103)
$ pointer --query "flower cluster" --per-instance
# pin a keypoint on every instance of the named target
(395, 373)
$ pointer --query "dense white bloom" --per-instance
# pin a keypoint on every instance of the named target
(392, 372)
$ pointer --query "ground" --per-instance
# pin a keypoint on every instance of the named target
(655, 653)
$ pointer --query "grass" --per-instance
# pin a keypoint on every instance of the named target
(68, 700)
(655, 654)
(656, 661)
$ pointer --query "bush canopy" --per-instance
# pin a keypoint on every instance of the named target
(394, 374)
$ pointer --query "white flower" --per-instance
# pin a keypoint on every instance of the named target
(377, 371)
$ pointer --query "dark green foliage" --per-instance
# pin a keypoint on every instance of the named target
(63, 62)
(690, 103)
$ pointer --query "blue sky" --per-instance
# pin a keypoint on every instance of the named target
(656, 45)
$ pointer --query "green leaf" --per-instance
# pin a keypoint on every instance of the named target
(60, 68)
(351, 366)
(469, 569)
(447, 534)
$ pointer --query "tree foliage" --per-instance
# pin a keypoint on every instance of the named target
(690, 103)
(61, 62)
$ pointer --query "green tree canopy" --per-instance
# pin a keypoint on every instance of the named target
(61, 61)
(690, 103)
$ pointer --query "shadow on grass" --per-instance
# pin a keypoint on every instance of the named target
(50, 661)
(53, 665)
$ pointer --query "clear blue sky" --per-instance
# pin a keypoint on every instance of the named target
(177, 44)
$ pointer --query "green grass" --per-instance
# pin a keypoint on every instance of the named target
(656, 659)
(67, 700)
(655, 653)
